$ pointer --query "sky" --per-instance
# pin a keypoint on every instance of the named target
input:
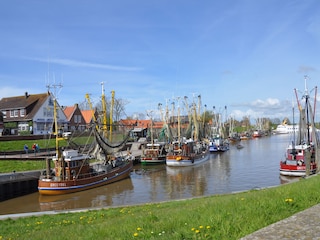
(245, 55)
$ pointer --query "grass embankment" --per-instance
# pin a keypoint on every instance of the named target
(18, 145)
(230, 216)
(26, 164)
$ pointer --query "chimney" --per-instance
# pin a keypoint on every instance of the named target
(26, 94)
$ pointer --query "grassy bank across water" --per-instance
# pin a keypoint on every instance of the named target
(229, 216)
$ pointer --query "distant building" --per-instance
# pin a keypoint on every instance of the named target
(31, 114)
(75, 118)
(88, 117)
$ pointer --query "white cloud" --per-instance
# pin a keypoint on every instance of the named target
(75, 63)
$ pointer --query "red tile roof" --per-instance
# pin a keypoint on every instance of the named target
(87, 115)
(68, 111)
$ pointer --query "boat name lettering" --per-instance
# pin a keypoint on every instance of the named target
(58, 184)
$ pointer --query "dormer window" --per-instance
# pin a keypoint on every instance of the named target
(22, 112)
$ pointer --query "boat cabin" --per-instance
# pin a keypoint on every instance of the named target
(72, 165)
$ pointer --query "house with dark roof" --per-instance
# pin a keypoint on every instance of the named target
(31, 114)
(75, 119)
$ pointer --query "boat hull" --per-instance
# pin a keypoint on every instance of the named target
(51, 187)
(185, 161)
(296, 171)
(150, 161)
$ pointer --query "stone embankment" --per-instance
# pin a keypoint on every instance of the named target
(303, 225)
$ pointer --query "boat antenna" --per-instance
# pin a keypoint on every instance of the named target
(294, 130)
(306, 96)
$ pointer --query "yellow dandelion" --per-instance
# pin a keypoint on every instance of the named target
(208, 227)
(197, 231)
(288, 200)
(200, 226)
(135, 234)
(139, 228)
(192, 229)
(241, 199)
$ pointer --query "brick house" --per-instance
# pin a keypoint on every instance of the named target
(75, 118)
(88, 117)
(31, 114)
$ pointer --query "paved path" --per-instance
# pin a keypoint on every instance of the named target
(16, 155)
(303, 225)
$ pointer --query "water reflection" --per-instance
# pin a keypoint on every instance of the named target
(97, 197)
(256, 165)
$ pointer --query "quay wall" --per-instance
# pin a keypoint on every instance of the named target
(17, 184)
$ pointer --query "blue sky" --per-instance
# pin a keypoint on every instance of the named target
(247, 55)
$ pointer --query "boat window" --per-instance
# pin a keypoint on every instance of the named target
(291, 162)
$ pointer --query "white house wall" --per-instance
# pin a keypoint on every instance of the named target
(43, 119)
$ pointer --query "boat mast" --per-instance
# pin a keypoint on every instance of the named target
(179, 133)
(60, 159)
(151, 127)
(306, 95)
(104, 109)
(111, 114)
(294, 132)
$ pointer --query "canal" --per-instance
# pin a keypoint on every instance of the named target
(254, 166)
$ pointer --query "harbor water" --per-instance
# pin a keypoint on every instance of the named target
(254, 166)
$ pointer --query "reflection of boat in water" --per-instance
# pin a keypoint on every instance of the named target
(94, 198)
(288, 179)
(178, 177)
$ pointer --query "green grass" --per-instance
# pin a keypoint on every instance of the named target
(17, 145)
(21, 165)
(229, 216)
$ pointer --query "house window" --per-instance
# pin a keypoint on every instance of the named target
(14, 113)
(23, 126)
(48, 112)
(4, 114)
(22, 112)
(77, 118)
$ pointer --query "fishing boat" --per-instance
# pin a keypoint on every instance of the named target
(190, 148)
(218, 141)
(295, 160)
(257, 134)
(218, 144)
(187, 153)
(301, 157)
(74, 171)
(154, 153)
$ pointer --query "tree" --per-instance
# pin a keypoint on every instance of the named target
(119, 108)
